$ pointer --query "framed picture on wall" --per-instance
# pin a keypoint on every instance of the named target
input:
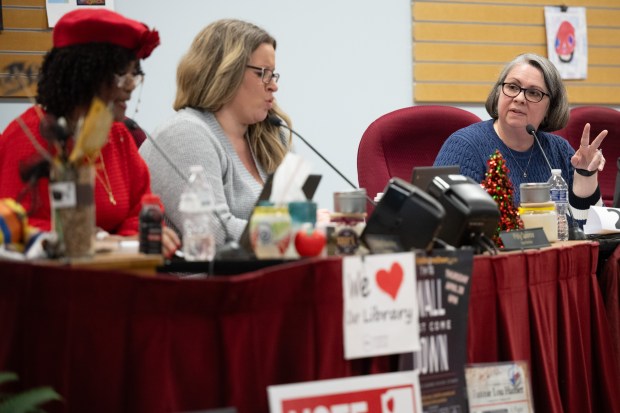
(56, 8)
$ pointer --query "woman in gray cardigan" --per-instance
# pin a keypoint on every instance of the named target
(225, 92)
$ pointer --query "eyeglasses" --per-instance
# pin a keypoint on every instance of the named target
(531, 95)
(128, 80)
(266, 75)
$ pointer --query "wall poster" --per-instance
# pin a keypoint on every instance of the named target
(56, 8)
(567, 40)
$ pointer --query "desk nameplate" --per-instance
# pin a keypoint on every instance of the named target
(523, 239)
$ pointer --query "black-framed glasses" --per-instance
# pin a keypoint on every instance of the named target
(531, 95)
(266, 75)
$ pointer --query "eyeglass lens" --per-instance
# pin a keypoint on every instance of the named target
(512, 90)
(266, 74)
(129, 79)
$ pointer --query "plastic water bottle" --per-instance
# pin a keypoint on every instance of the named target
(559, 195)
(197, 206)
(151, 217)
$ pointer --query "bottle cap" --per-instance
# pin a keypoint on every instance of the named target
(152, 199)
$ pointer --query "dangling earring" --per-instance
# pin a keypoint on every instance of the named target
(135, 112)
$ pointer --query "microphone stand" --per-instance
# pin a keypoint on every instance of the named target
(276, 121)
(574, 231)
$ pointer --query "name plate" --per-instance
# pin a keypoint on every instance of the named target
(522, 239)
(499, 388)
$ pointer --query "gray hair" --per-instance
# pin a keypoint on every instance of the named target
(558, 110)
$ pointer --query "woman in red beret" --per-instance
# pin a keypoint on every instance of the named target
(96, 53)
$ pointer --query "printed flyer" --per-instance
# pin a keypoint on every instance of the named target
(443, 282)
(499, 387)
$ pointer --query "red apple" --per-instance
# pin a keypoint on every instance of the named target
(309, 242)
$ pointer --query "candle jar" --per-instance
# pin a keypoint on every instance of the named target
(72, 205)
(348, 228)
(348, 221)
(270, 231)
(540, 215)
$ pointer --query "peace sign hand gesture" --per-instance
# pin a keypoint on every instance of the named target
(589, 156)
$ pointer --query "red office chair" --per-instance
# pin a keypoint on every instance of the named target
(396, 142)
(600, 118)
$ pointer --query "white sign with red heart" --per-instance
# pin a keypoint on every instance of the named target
(380, 305)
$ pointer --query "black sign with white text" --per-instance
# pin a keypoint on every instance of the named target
(443, 281)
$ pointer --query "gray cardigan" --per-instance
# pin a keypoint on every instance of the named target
(193, 137)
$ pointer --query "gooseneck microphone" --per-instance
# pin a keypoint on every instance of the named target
(574, 232)
(276, 121)
(532, 131)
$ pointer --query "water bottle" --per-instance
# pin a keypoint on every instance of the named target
(559, 195)
(196, 206)
(151, 217)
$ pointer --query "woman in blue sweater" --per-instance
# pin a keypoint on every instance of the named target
(529, 91)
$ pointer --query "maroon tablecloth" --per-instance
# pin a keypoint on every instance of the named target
(113, 342)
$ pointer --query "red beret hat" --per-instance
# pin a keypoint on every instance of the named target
(104, 26)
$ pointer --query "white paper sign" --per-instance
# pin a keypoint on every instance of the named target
(499, 387)
(567, 41)
(377, 393)
(380, 305)
(602, 220)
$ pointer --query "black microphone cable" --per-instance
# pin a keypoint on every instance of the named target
(532, 131)
(276, 121)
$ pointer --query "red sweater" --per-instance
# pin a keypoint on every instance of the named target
(128, 174)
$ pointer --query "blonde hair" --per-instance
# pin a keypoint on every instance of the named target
(211, 72)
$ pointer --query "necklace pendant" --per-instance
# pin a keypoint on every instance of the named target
(525, 174)
(112, 200)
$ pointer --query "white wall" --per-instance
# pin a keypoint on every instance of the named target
(343, 64)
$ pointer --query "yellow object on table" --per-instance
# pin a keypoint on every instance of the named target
(541, 215)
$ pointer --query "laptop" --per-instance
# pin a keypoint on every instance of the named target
(309, 188)
(422, 176)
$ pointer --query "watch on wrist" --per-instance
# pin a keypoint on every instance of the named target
(585, 172)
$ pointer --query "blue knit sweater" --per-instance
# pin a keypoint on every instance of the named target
(471, 147)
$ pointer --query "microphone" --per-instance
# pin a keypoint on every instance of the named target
(574, 232)
(532, 131)
(231, 248)
(276, 121)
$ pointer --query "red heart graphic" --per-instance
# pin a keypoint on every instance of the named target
(390, 281)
